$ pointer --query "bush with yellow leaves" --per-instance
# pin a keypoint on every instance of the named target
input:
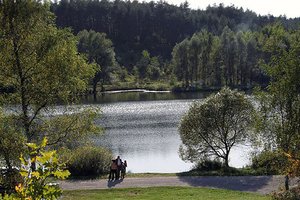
(36, 171)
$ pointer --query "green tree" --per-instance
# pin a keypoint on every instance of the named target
(135, 73)
(279, 117)
(99, 50)
(41, 63)
(251, 70)
(211, 128)
(143, 64)
(11, 142)
(205, 49)
(216, 63)
(228, 48)
(195, 48)
(153, 70)
(180, 62)
(11, 147)
(241, 58)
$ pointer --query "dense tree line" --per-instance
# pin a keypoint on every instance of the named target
(208, 60)
(154, 26)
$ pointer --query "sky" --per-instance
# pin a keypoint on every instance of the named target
(290, 8)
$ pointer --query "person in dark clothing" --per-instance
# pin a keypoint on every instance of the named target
(123, 170)
(119, 166)
(113, 170)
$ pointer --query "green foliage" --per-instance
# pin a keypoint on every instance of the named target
(211, 128)
(38, 60)
(9, 178)
(99, 50)
(122, 74)
(73, 128)
(279, 107)
(89, 161)
(11, 147)
(208, 165)
(180, 61)
(8, 197)
(270, 162)
(292, 194)
(208, 60)
(41, 63)
(42, 66)
(11, 141)
(223, 50)
(153, 70)
(158, 86)
(156, 26)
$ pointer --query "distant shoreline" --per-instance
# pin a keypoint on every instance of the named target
(134, 90)
(171, 90)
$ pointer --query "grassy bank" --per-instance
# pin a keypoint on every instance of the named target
(229, 172)
(155, 85)
(183, 193)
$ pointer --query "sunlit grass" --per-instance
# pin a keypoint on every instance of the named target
(184, 193)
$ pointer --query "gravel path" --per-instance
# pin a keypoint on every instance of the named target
(257, 184)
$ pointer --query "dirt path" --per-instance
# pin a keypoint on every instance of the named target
(257, 184)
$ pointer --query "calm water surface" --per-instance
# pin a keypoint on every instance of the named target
(143, 129)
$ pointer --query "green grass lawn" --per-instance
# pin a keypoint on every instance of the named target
(164, 193)
(231, 172)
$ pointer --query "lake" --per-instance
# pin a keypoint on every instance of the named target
(142, 127)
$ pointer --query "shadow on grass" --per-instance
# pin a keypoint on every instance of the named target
(113, 183)
(240, 183)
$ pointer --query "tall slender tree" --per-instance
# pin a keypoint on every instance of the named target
(283, 105)
(180, 62)
(42, 66)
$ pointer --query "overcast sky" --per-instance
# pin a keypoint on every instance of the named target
(290, 8)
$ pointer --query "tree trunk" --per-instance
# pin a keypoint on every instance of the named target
(286, 182)
(102, 86)
(226, 161)
(7, 162)
(94, 88)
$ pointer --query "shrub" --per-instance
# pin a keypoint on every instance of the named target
(209, 165)
(9, 179)
(158, 86)
(269, 162)
(35, 183)
(292, 194)
(89, 161)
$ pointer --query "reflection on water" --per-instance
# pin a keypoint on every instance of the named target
(142, 96)
(145, 133)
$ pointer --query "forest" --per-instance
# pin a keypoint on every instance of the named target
(221, 45)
